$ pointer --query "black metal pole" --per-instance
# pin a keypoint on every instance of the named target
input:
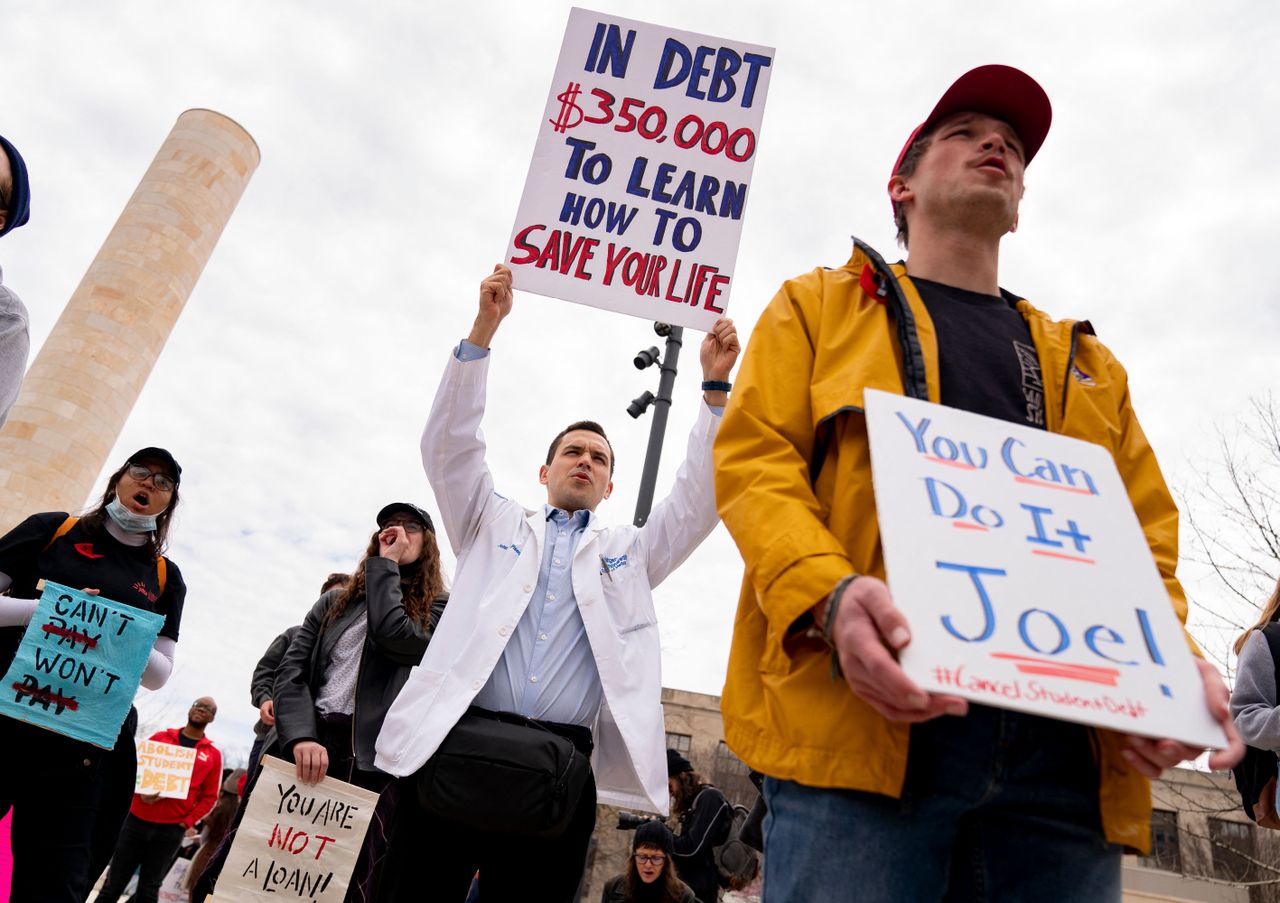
(661, 407)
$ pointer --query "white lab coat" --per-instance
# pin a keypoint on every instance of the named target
(498, 543)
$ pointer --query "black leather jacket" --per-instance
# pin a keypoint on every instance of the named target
(394, 644)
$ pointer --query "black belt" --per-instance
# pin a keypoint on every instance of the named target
(577, 734)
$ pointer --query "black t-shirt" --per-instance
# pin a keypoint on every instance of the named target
(184, 740)
(986, 357)
(81, 558)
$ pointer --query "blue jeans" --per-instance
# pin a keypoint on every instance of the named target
(997, 806)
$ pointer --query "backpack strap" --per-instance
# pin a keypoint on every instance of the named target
(162, 565)
(63, 529)
(1271, 631)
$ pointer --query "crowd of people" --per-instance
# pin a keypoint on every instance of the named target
(493, 718)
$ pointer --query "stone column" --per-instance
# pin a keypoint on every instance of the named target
(87, 376)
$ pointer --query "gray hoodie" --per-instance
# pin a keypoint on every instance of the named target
(1253, 700)
(15, 344)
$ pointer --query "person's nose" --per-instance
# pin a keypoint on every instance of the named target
(995, 143)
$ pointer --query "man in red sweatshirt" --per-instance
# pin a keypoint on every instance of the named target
(155, 827)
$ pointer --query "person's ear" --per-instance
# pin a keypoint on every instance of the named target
(543, 471)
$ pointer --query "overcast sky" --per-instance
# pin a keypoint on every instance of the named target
(395, 139)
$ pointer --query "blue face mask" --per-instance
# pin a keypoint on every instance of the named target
(129, 522)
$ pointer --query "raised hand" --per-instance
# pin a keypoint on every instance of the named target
(495, 304)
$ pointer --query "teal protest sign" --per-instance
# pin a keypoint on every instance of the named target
(79, 665)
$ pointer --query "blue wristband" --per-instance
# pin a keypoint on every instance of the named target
(716, 385)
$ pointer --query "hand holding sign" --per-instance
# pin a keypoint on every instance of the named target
(868, 633)
(719, 351)
(1151, 757)
(79, 664)
(495, 304)
(1029, 584)
(295, 841)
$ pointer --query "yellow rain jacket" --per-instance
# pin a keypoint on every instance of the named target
(793, 484)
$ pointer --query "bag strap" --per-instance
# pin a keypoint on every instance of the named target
(1271, 632)
(63, 529)
(162, 566)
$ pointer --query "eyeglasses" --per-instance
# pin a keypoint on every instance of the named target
(161, 481)
(203, 705)
(410, 526)
(650, 860)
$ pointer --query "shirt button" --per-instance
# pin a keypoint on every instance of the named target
(502, 631)
(542, 636)
(475, 685)
(534, 679)
(528, 587)
(555, 561)
(551, 597)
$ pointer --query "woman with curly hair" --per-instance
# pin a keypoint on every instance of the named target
(650, 876)
(345, 665)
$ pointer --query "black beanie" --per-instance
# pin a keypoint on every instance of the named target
(653, 833)
(677, 764)
(20, 201)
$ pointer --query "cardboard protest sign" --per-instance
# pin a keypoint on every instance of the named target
(164, 769)
(636, 193)
(79, 664)
(296, 840)
(1025, 575)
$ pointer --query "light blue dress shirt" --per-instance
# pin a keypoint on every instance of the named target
(547, 670)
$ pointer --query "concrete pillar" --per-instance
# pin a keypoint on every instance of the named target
(87, 376)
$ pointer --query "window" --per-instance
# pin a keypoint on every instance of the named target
(1165, 853)
(679, 742)
(1233, 849)
(731, 775)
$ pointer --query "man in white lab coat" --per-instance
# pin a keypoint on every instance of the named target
(551, 617)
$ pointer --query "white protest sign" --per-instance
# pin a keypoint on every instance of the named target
(1017, 558)
(636, 193)
(164, 769)
(296, 840)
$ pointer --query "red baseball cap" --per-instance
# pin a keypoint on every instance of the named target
(1006, 93)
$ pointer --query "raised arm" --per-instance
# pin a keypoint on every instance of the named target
(453, 447)
(396, 635)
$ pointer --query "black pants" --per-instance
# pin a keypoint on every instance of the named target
(432, 859)
(147, 846)
(49, 782)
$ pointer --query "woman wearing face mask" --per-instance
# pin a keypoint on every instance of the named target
(650, 877)
(345, 665)
(69, 797)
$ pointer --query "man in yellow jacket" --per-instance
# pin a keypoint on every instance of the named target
(880, 791)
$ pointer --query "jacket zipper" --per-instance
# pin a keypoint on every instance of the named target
(1071, 361)
(914, 382)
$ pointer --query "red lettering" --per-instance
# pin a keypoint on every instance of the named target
(713, 292)
(531, 252)
(613, 260)
(324, 842)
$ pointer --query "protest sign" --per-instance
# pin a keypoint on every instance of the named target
(79, 664)
(164, 769)
(296, 840)
(1024, 573)
(173, 889)
(636, 193)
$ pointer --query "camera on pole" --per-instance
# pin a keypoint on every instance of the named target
(661, 404)
(639, 405)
